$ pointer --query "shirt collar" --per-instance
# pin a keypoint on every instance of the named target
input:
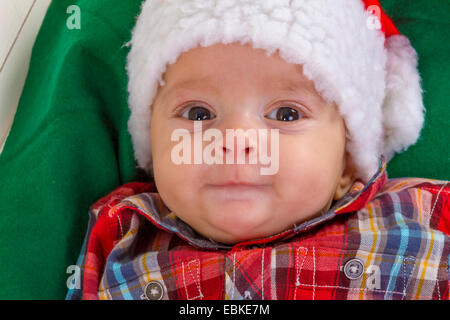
(150, 205)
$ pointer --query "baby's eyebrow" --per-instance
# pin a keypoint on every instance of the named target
(205, 83)
(291, 86)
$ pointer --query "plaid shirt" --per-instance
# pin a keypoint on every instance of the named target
(388, 239)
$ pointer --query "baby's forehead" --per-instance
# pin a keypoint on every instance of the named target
(213, 67)
(210, 85)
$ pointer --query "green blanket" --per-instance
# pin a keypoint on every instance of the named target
(69, 143)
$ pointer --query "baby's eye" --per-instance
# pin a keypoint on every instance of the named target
(197, 114)
(284, 114)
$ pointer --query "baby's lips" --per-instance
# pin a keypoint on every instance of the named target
(236, 182)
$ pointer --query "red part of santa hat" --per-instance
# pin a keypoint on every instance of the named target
(387, 26)
(369, 72)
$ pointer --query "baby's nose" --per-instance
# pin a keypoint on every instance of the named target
(240, 134)
(245, 150)
(242, 143)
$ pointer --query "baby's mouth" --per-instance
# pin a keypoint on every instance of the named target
(240, 191)
(237, 183)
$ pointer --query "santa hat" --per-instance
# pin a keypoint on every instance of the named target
(349, 48)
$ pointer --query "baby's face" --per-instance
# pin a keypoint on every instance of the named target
(237, 87)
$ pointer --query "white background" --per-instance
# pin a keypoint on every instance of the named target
(20, 21)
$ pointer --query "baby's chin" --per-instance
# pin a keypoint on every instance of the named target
(236, 221)
(234, 213)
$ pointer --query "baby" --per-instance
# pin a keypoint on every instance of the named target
(331, 89)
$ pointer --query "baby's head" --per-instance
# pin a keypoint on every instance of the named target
(237, 87)
(321, 103)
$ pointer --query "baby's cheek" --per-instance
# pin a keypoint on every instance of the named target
(305, 180)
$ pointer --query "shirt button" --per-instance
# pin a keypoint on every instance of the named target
(154, 290)
(353, 269)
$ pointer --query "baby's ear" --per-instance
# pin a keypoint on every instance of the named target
(347, 178)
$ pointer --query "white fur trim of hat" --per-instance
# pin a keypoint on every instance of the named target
(349, 48)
